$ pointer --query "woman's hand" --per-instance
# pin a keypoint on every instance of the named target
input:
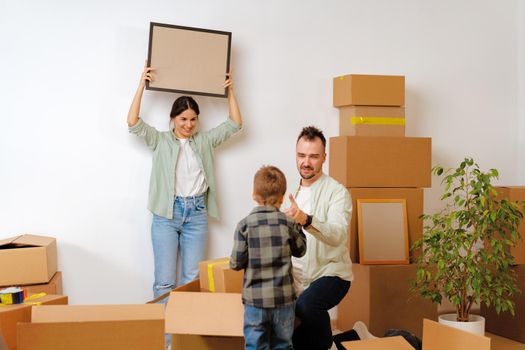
(228, 83)
(146, 75)
(235, 113)
(134, 109)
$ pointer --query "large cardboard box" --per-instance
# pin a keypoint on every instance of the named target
(87, 327)
(52, 287)
(380, 297)
(414, 205)
(389, 343)
(10, 315)
(205, 321)
(505, 324)
(437, 336)
(372, 121)
(216, 276)
(381, 161)
(35, 259)
(515, 193)
(369, 90)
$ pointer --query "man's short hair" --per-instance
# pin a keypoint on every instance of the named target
(269, 185)
(310, 133)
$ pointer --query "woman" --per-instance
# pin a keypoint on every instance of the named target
(182, 188)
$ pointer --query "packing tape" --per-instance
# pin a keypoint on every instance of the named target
(29, 299)
(378, 121)
(211, 282)
(12, 295)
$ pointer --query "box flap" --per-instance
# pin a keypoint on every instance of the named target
(8, 241)
(437, 336)
(75, 313)
(220, 314)
(26, 241)
(390, 343)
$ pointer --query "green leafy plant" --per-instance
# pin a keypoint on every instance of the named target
(464, 254)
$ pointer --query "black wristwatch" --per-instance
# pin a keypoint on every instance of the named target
(308, 221)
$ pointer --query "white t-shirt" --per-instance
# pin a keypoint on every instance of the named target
(189, 178)
(303, 201)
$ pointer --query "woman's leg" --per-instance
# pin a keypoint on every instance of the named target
(194, 238)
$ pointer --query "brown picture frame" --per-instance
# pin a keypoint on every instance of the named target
(383, 232)
(188, 60)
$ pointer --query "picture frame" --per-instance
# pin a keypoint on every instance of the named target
(383, 232)
(188, 60)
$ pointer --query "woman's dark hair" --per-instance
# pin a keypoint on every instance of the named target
(310, 133)
(183, 103)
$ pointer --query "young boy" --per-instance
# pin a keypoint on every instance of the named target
(265, 242)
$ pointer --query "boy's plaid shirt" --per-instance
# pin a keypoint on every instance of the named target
(264, 243)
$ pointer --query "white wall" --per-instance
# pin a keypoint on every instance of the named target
(521, 90)
(70, 169)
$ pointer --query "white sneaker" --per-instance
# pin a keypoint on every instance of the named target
(362, 331)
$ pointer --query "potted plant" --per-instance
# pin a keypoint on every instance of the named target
(464, 253)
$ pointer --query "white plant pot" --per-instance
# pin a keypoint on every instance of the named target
(476, 323)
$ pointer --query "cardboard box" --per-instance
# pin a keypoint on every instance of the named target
(504, 324)
(35, 258)
(10, 315)
(381, 161)
(500, 343)
(52, 287)
(390, 343)
(216, 276)
(369, 90)
(414, 204)
(83, 327)
(515, 193)
(380, 297)
(205, 321)
(372, 121)
(437, 336)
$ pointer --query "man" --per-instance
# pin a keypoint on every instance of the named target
(323, 276)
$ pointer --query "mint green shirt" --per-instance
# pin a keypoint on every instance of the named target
(165, 147)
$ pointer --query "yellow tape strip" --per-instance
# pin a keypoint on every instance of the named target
(211, 282)
(35, 296)
(378, 120)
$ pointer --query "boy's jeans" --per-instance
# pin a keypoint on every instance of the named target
(271, 328)
(188, 230)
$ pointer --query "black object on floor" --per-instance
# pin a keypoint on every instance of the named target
(409, 337)
(345, 336)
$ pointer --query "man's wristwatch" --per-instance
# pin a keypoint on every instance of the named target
(308, 221)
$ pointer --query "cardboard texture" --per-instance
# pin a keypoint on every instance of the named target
(381, 161)
(216, 276)
(34, 256)
(372, 121)
(115, 327)
(380, 297)
(414, 204)
(369, 90)
(383, 241)
(504, 324)
(188, 60)
(389, 343)
(200, 321)
(10, 315)
(437, 336)
(54, 286)
(515, 193)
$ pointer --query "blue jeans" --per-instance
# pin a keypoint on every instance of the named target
(266, 329)
(315, 332)
(188, 230)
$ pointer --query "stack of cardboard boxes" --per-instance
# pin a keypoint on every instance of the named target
(505, 324)
(374, 160)
(28, 261)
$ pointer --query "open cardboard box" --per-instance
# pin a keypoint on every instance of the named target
(437, 336)
(87, 327)
(389, 343)
(204, 321)
(10, 315)
(35, 258)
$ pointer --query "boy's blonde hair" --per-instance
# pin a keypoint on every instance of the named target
(269, 185)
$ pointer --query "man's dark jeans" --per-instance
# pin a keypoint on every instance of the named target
(315, 331)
